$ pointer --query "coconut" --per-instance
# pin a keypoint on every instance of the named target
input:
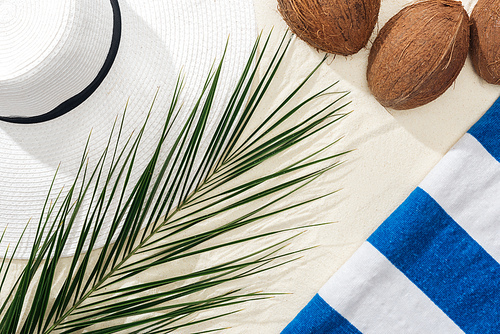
(335, 26)
(485, 40)
(418, 53)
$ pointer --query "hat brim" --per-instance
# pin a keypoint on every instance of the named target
(159, 40)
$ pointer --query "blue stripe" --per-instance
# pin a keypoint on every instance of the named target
(319, 318)
(487, 130)
(439, 257)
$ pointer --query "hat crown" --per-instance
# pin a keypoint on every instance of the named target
(50, 50)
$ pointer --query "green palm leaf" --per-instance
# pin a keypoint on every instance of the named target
(179, 208)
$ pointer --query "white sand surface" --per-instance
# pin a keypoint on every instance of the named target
(393, 151)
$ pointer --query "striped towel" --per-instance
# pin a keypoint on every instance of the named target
(433, 265)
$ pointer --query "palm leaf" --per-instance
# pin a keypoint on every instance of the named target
(179, 208)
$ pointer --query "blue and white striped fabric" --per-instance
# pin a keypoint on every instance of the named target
(433, 265)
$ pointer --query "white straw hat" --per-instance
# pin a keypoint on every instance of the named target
(68, 67)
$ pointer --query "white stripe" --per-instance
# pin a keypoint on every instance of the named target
(466, 184)
(377, 298)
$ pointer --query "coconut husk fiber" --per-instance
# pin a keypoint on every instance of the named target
(485, 40)
(335, 26)
(418, 53)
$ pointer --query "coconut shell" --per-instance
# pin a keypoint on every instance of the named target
(485, 40)
(418, 53)
(336, 26)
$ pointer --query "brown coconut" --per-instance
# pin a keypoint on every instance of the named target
(485, 40)
(336, 26)
(418, 53)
